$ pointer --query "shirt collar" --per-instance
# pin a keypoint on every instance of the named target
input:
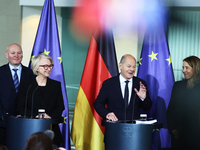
(122, 79)
(18, 67)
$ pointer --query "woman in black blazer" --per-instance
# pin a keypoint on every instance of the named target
(183, 114)
(41, 92)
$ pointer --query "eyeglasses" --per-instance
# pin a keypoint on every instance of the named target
(46, 67)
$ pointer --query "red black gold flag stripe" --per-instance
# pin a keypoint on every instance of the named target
(101, 64)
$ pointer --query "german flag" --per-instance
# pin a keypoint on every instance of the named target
(101, 64)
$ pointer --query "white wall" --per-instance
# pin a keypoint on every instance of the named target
(58, 3)
(30, 22)
(10, 23)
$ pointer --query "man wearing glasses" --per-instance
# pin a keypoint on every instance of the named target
(12, 75)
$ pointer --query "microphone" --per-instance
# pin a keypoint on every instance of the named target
(133, 107)
(26, 101)
(50, 134)
(133, 101)
(125, 113)
(32, 102)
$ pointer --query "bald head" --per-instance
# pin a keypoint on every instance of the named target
(13, 45)
(14, 54)
(123, 59)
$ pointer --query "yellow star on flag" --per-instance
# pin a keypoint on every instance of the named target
(153, 56)
(65, 120)
(169, 60)
(60, 58)
(46, 52)
(32, 57)
(140, 61)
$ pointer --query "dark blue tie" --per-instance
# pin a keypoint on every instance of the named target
(16, 80)
(126, 93)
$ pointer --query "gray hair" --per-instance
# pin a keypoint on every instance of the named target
(35, 62)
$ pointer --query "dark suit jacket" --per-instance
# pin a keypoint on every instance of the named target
(7, 90)
(111, 95)
(48, 97)
(183, 114)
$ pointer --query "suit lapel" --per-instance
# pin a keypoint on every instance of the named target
(23, 74)
(117, 90)
(9, 76)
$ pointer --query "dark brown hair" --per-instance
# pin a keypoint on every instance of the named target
(2, 147)
(39, 141)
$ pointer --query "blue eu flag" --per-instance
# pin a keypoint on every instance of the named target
(47, 42)
(155, 67)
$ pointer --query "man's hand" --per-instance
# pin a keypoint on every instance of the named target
(111, 116)
(19, 116)
(142, 92)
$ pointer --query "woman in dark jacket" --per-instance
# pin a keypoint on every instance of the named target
(183, 114)
(42, 92)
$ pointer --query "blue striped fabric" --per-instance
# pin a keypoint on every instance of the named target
(16, 80)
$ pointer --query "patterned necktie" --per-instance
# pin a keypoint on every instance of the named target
(126, 93)
(16, 80)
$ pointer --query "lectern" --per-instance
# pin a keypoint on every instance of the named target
(128, 136)
(19, 130)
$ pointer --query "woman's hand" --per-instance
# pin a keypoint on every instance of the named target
(175, 134)
(45, 116)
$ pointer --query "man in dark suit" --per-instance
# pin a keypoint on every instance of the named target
(114, 92)
(9, 89)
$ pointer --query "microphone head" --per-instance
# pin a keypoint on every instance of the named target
(50, 134)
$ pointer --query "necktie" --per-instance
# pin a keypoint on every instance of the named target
(16, 80)
(126, 93)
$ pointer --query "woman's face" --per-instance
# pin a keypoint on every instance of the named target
(45, 67)
(187, 70)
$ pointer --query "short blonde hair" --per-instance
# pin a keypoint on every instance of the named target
(35, 62)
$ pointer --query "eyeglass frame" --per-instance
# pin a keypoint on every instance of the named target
(45, 66)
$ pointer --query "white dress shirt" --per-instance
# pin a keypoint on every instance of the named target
(123, 84)
(130, 86)
(18, 71)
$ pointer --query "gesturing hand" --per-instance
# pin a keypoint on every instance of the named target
(142, 92)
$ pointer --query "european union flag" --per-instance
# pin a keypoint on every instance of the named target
(155, 67)
(47, 42)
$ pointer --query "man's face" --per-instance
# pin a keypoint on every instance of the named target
(128, 67)
(14, 55)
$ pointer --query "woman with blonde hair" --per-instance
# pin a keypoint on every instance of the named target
(41, 92)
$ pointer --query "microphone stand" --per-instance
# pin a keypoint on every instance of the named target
(133, 101)
(125, 114)
(32, 102)
(26, 101)
(133, 107)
